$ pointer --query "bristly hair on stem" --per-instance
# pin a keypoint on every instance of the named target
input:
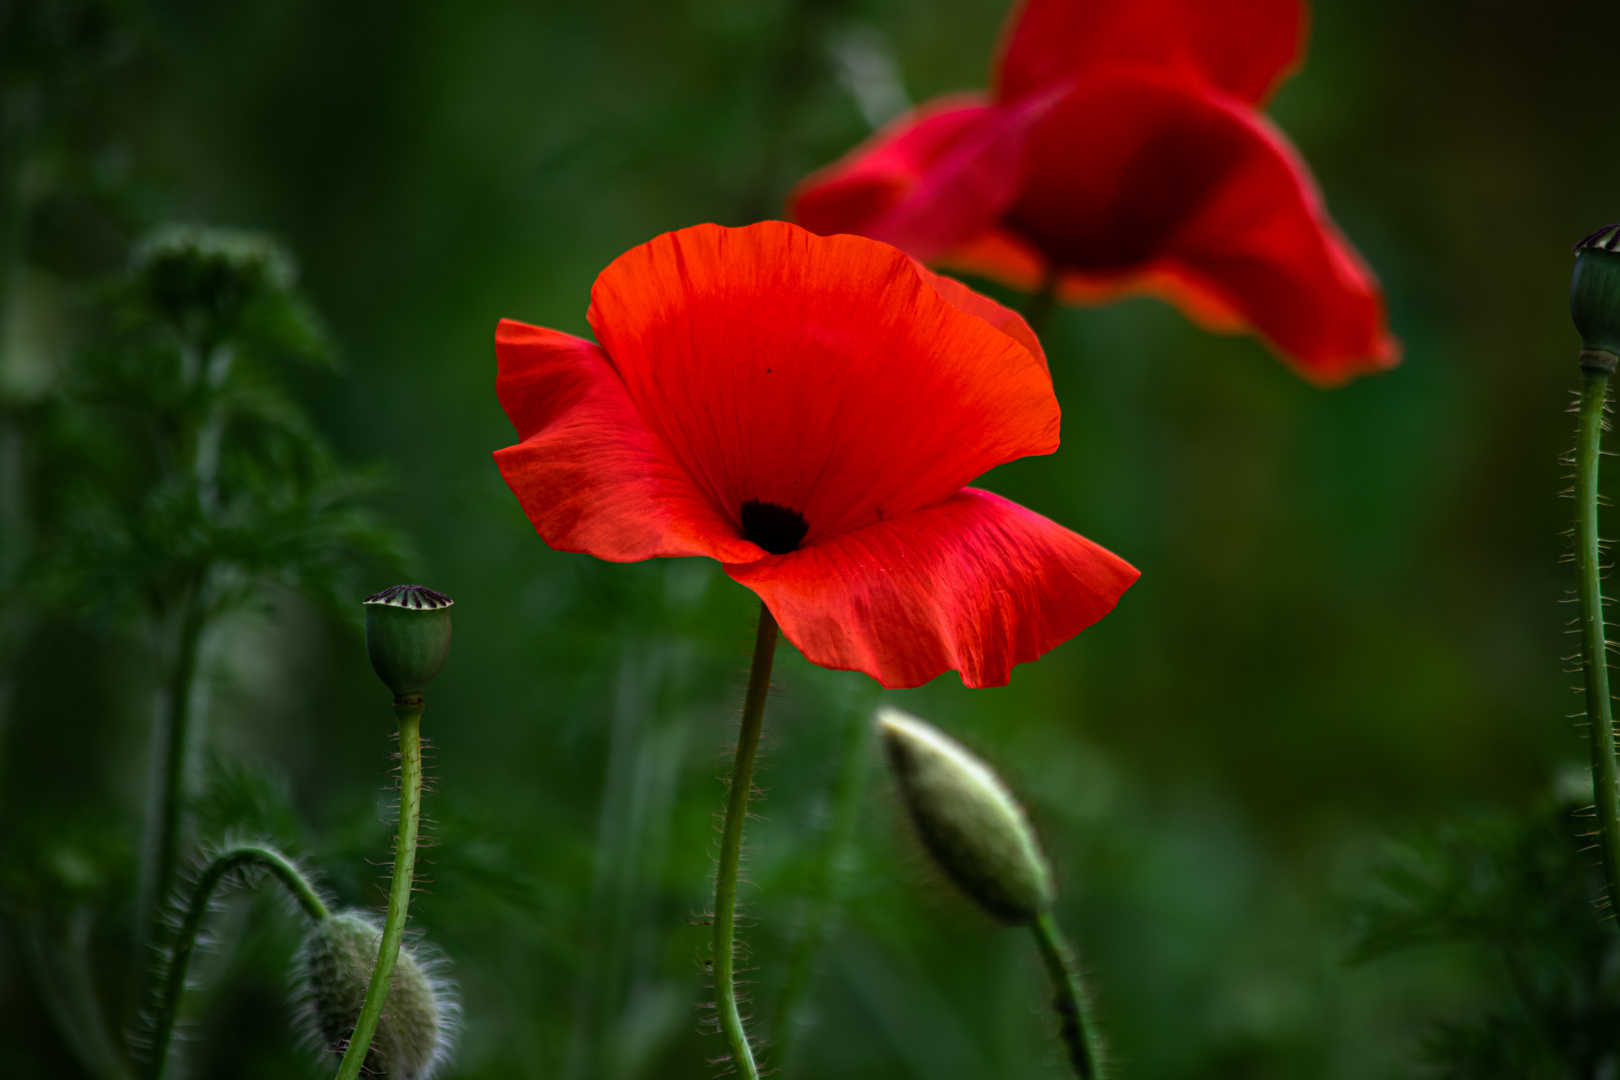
(1595, 303)
(723, 961)
(409, 712)
(243, 861)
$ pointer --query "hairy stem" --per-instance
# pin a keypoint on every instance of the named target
(409, 711)
(725, 888)
(1071, 1000)
(1594, 643)
(234, 858)
(1038, 312)
(822, 906)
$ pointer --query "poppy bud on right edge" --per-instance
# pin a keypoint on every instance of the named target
(1594, 296)
(968, 820)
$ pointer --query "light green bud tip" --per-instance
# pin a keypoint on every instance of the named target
(408, 637)
(415, 1033)
(1594, 297)
(968, 820)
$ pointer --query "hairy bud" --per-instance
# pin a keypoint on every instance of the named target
(968, 820)
(408, 637)
(417, 1027)
(1594, 296)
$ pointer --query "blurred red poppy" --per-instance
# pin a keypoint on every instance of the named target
(807, 410)
(1121, 150)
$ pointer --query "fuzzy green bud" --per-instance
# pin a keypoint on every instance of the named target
(408, 637)
(1594, 297)
(968, 820)
(414, 1035)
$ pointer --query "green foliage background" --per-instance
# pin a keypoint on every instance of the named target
(1348, 626)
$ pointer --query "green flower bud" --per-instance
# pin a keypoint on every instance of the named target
(408, 637)
(208, 281)
(417, 1029)
(1594, 297)
(968, 820)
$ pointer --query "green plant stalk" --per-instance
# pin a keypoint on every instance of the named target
(1594, 639)
(725, 888)
(1071, 1000)
(166, 801)
(177, 736)
(227, 861)
(1038, 312)
(822, 906)
(409, 711)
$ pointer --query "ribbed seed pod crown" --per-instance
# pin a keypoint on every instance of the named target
(408, 636)
(414, 1035)
(968, 820)
(1594, 293)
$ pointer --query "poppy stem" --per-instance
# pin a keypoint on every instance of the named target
(409, 710)
(1071, 999)
(1597, 367)
(725, 890)
(1038, 312)
(229, 860)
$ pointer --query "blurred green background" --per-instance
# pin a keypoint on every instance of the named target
(1348, 626)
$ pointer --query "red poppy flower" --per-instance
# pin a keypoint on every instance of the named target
(1122, 148)
(807, 410)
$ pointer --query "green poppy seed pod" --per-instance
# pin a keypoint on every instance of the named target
(415, 1033)
(408, 637)
(1594, 297)
(968, 820)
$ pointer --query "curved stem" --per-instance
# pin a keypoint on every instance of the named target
(1594, 643)
(1071, 1000)
(409, 711)
(725, 888)
(227, 861)
(822, 907)
(1038, 312)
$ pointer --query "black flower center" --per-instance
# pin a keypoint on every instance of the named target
(775, 528)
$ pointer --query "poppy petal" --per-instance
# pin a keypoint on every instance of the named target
(927, 182)
(1245, 48)
(1005, 319)
(589, 473)
(823, 375)
(1134, 184)
(1007, 257)
(976, 584)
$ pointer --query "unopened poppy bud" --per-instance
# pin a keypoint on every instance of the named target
(408, 637)
(413, 1037)
(968, 820)
(1594, 297)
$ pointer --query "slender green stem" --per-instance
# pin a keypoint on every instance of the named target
(177, 735)
(822, 905)
(409, 711)
(243, 855)
(1071, 1000)
(166, 790)
(1042, 301)
(1594, 642)
(725, 886)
